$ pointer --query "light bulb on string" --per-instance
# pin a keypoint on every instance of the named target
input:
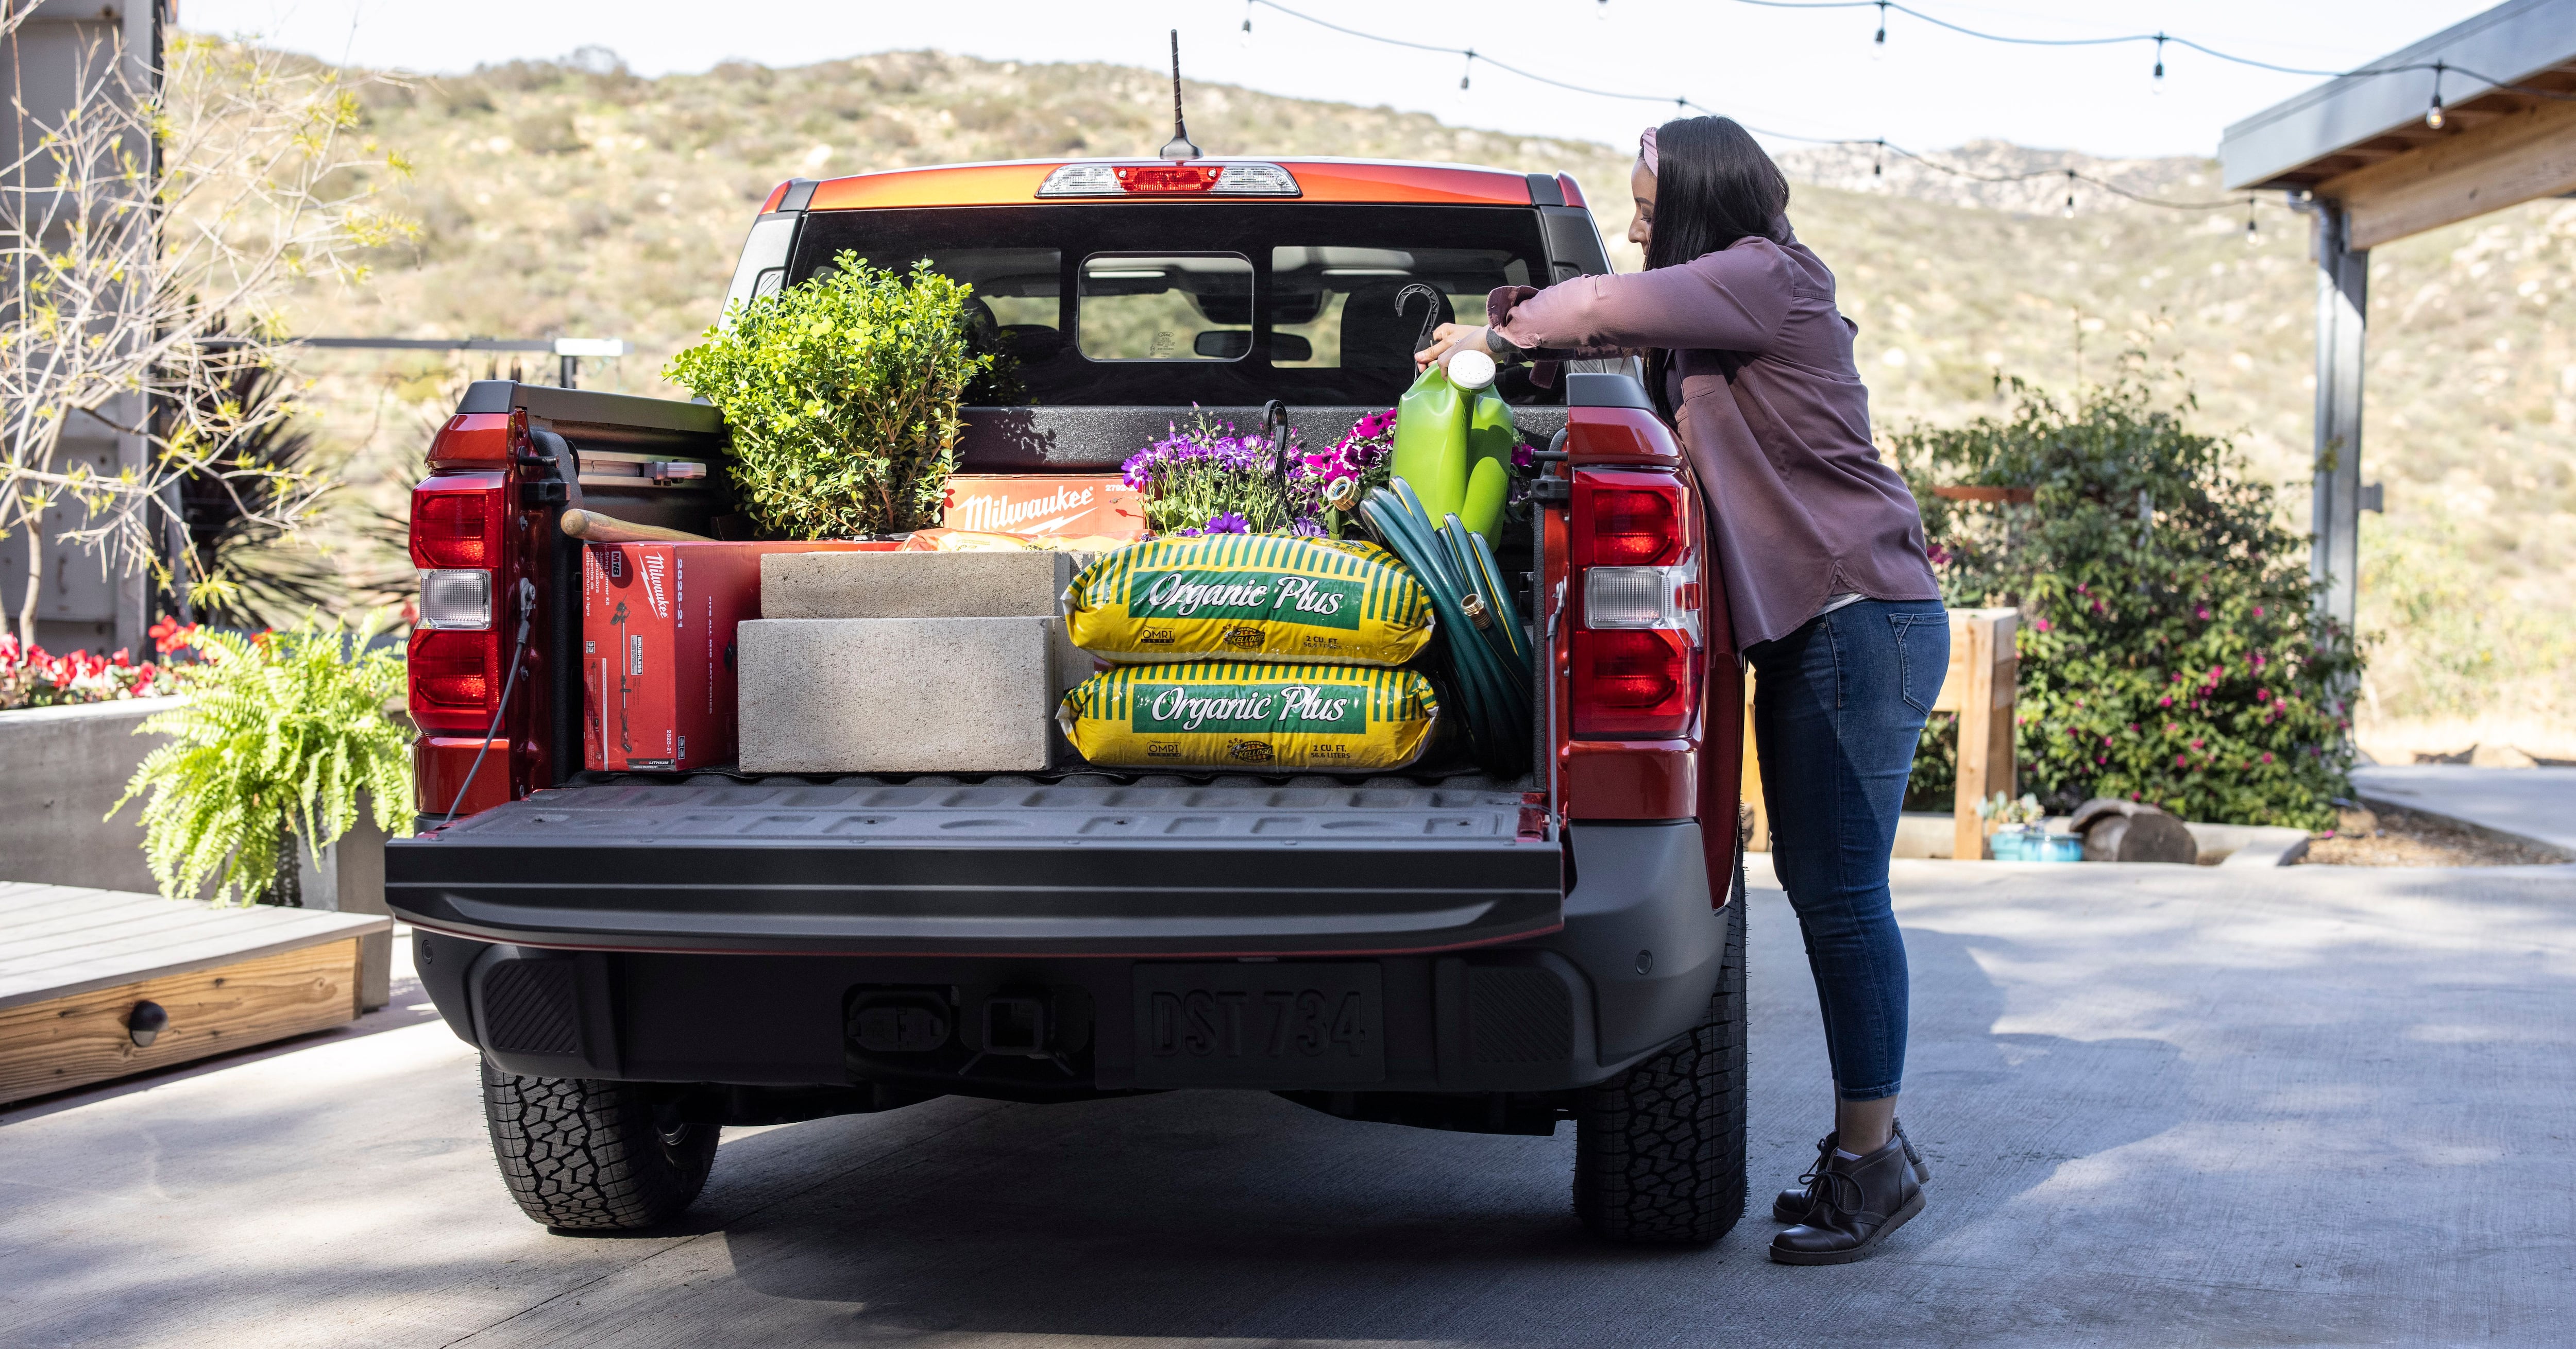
(2253, 233)
(2433, 118)
(1245, 39)
(1878, 44)
(2158, 84)
(2070, 194)
(1465, 73)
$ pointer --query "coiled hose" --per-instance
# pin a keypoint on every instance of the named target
(1488, 655)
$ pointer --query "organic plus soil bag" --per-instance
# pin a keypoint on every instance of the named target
(1248, 597)
(1254, 717)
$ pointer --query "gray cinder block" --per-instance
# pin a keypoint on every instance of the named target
(913, 585)
(902, 695)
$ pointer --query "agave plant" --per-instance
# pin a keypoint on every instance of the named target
(279, 735)
(248, 572)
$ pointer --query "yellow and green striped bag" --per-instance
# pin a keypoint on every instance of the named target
(1241, 715)
(1248, 597)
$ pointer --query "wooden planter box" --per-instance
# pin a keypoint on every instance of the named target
(77, 963)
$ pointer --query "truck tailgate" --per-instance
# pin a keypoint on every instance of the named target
(1004, 866)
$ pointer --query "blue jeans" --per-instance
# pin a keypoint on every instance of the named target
(1837, 708)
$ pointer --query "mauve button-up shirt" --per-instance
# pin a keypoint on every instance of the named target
(1773, 416)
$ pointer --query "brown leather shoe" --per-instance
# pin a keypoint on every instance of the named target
(1857, 1203)
(1792, 1205)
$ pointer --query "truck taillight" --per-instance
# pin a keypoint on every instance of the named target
(455, 679)
(456, 521)
(1637, 630)
(455, 653)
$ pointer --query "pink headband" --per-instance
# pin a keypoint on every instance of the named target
(1646, 149)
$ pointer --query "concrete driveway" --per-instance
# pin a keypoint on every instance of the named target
(2164, 1106)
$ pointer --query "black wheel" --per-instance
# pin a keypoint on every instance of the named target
(1659, 1149)
(589, 1156)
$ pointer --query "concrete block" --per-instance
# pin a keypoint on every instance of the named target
(913, 585)
(903, 695)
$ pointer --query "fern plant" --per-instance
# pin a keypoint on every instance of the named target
(279, 734)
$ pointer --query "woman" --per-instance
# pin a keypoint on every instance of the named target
(1832, 597)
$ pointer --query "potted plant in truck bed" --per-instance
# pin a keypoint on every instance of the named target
(842, 395)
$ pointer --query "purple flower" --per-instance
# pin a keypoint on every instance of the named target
(1227, 522)
(1523, 456)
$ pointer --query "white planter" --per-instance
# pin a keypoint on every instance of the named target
(61, 768)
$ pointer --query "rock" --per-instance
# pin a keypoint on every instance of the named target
(2128, 831)
(2501, 756)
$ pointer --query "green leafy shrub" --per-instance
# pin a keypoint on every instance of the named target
(2169, 647)
(279, 735)
(842, 396)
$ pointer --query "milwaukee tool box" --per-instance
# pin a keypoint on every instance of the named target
(657, 648)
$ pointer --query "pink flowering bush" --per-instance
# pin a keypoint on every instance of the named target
(33, 677)
(2170, 651)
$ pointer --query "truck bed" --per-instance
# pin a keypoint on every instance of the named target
(1081, 864)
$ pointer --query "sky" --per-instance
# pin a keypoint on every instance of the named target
(1811, 72)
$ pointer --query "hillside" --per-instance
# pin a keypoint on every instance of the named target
(576, 198)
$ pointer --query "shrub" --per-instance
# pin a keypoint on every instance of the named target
(280, 733)
(2169, 647)
(842, 396)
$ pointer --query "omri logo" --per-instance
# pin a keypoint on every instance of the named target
(652, 570)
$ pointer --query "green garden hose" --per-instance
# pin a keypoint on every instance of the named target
(1489, 666)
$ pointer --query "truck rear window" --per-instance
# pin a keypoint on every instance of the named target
(1171, 303)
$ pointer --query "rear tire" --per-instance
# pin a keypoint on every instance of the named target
(589, 1156)
(1659, 1149)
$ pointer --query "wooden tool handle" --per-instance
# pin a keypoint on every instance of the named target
(593, 527)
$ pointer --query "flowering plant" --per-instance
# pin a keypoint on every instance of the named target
(1208, 480)
(2169, 647)
(33, 677)
(1330, 485)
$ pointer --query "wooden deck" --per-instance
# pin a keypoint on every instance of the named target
(75, 962)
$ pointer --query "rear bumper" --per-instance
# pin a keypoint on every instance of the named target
(1001, 868)
(1630, 966)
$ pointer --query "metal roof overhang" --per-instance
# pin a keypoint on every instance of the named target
(2360, 139)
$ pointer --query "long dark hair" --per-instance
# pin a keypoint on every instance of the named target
(1714, 185)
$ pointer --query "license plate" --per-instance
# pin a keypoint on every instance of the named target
(1267, 1025)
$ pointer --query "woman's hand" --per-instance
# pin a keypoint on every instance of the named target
(1448, 338)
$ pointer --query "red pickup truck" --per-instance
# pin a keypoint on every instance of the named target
(643, 958)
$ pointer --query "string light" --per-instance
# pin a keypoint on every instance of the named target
(1601, 10)
(1246, 39)
(2253, 232)
(2159, 85)
(1683, 104)
(1878, 44)
(2433, 115)
(1466, 71)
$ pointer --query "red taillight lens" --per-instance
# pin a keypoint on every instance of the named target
(456, 521)
(1629, 526)
(455, 679)
(1633, 685)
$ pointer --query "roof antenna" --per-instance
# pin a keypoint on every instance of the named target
(1179, 146)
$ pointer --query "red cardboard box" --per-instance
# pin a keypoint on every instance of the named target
(657, 629)
(1001, 503)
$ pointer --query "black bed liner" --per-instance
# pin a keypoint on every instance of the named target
(1082, 865)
